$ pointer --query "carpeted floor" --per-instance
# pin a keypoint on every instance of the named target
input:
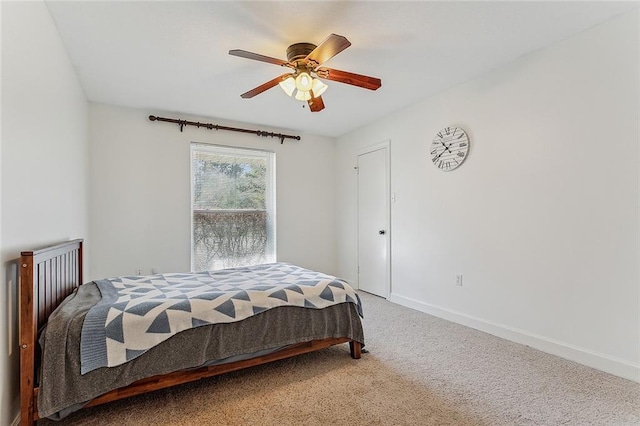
(421, 370)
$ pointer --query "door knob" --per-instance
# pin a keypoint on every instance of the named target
(382, 232)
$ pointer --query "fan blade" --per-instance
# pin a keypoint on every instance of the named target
(316, 104)
(263, 87)
(359, 80)
(257, 57)
(326, 50)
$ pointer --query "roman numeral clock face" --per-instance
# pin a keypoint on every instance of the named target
(449, 148)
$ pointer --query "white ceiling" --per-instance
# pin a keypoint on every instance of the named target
(173, 56)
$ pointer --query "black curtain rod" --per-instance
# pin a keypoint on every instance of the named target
(210, 126)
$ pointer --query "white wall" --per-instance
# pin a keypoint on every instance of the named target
(542, 219)
(44, 161)
(140, 186)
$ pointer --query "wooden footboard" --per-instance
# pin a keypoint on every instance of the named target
(49, 275)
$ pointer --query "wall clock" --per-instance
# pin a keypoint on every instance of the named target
(449, 148)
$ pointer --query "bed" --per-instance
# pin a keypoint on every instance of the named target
(53, 308)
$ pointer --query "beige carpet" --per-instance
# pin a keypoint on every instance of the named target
(420, 370)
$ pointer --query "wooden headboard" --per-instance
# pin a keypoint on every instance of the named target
(47, 276)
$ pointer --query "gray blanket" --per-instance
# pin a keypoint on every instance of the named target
(63, 389)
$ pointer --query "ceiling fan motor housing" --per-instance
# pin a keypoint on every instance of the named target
(299, 51)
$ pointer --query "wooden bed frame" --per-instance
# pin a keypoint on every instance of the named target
(50, 274)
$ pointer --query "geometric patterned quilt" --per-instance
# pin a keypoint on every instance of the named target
(138, 312)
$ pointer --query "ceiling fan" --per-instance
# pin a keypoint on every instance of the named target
(304, 82)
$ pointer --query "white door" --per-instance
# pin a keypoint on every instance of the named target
(373, 222)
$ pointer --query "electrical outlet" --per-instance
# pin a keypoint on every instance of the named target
(459, 280)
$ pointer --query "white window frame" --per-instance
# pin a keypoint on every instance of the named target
(270, 194)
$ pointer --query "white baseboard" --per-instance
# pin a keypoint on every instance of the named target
(606, 363)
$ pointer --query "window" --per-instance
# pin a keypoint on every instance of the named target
(233, 207)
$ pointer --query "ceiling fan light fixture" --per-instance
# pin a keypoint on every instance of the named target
(304, 82)
(303, 96)
(318, 87)
(288, 85)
